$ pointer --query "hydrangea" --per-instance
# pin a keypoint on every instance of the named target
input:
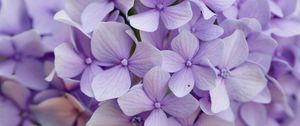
(149, 62)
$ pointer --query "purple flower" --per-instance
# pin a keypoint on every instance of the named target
(203, 29)
(111, 47)
(151, 96)
(22, 64)
(172, 16)
(189, 60)
(237, 79)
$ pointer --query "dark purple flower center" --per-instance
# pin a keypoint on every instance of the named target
(136, 121)
(88, 61)
(188, 63)
(124, 62)
(160, 6)
(224, 73)
(17, 56)
(157, 105)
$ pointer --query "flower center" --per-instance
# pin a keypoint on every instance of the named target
(193, 29)
(188, 63)
(157, 105)
(136, 121)
(88, 61)
(224, 73)
(17, 56)
(124, 62)
(160, 6)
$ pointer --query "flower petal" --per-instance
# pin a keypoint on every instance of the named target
(207, 120)
(149, 3)
(30, 73)
(254, 114)
(208, 32)
(111, 83)
(87, 78)
(219, 5)
(124, 5)
(182, 82)
(147, 21)
(219, 97)
(109, 114)
(172, 62)
(235, 51)
(6, 46)
(180, 107)
(205, 77)
(7, 68)
(155, 83)
(246, 82)
(258, 9)
(144, 58)
(207, 13)
(157, 118)
(176, 16)
(94, 13)
(67, 62)
(110, 43)
(16, 92)
(9, 113)
(135, 101)
(185, 44)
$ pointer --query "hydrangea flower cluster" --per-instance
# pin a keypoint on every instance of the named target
(149, 62)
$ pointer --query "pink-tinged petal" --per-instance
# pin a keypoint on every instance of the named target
(285, 28)
(6, 46)
(87, 78)
(205, 77)
(55, 112)
(135, 101)
(172, 62)
(111, 83)
(109, 114)
(156, 83)
(182, 82)
(178, 15)
(219, 5)
(245, 82)
(110, 43)
(95, 13)
(173, 122)
(146, 21)
(144, 58)
(277, 92)
(186, 45)
(16, 92)
(30, 73)
(235, 50)
(254, 114)
(263, 97)
(46, 94)
(207, 13)
(9, 113)
(67, 62)
(180, 107)
(258, 9)
(157, 118)
(149, 3)
(29, 43)
(209, 52)
(7, 68)
(219, 97)
(207, 120)
(124, 5)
